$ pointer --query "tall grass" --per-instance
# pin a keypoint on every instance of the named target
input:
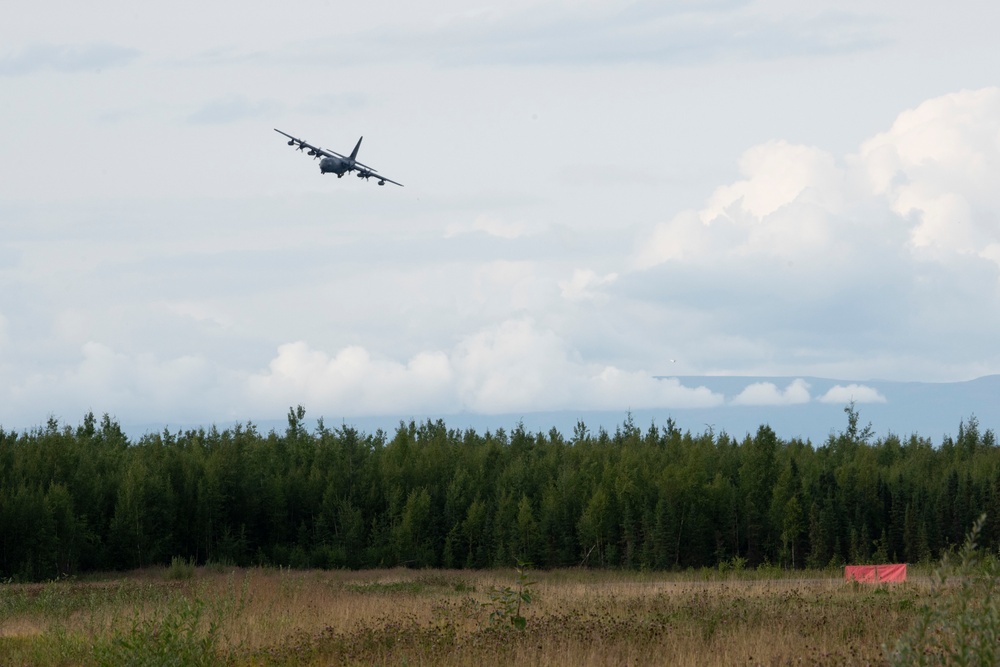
(441, 617)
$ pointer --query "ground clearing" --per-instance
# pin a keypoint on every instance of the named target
(442, 617)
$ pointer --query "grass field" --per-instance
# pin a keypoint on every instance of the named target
(190, 616)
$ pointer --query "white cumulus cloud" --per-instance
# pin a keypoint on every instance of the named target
(776, 174)
(785, 207)
(934, 172)
(938, 166)
(141, 385)
(352, 381)
(767, 393)
(512, 367)
(858, 393)
(904, 234)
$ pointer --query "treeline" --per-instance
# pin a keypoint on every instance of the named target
(84, 499)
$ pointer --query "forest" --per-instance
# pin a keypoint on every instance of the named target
(83, 499)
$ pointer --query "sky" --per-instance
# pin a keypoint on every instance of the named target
(601, 197)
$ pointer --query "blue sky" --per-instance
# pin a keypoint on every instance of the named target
(598, 194)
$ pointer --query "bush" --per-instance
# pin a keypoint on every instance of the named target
(176, 638)
(180, 568)
(961, 625)
(505, 602)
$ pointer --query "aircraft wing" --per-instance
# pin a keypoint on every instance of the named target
(382, 178)
(303, 145)
(364, 171)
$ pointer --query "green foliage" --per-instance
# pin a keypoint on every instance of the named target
(84, 499)
(180, 568)
(736, 564)
(961, 625)
(185, 629)
(178, 637)
(506, 601)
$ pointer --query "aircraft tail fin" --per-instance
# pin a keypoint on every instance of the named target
(354, 153)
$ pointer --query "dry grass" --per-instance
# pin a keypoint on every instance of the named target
(439, 617)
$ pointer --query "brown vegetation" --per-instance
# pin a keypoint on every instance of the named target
(442, 617)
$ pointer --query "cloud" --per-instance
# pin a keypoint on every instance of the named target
(783, 207)
(66, 58)
(808, 263)
(232, 109)
(648, 32)
(777, 174)
(767, 393)
(584, 285)
(139, 385)
(937, 168)
(490, 226)
(198, 311)
(352, 382)
(857, 393)
(931, 176)
(332, 103)
(585, 35)
(890, 253)
(586, 176)
(513, 367)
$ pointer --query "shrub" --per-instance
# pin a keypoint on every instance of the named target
(180, 568)
(961, 624)
(176, 638)
(505, 602)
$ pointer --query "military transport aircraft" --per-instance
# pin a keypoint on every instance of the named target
(335, 163)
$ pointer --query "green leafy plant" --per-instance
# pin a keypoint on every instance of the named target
(178, 637)
(506, 601)
(180, 568)
(961, 625)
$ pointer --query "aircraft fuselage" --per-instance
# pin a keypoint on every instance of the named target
(333, 165)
